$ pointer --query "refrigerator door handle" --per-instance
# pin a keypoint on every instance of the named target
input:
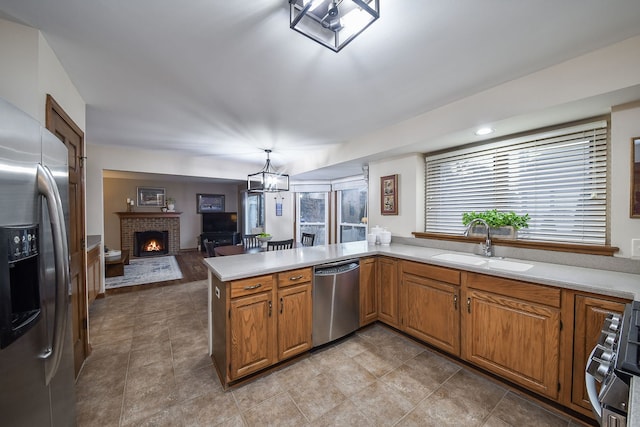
(48, 188)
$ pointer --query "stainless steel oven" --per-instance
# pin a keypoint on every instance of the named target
(612, 363)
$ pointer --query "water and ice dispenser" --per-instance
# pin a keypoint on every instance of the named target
(19, 282)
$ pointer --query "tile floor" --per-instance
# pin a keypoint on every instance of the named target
(149, 367)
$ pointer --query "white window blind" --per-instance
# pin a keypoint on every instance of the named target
(559, 178)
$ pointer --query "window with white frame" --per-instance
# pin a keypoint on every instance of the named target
(352, 213)
(558, 177)
(253, 212)
(313, 215)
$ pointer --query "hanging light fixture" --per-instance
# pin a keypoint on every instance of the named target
(332, 23)
(267, 180)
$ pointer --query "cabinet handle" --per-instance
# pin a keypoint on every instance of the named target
(269, 308)
(455, 302)
(248, 288)
(294, 278)
(469, 305)
(281, 305)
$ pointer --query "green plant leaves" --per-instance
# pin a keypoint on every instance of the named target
(497, 218)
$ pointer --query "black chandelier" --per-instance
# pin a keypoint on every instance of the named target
(267, 180)
(332, 23)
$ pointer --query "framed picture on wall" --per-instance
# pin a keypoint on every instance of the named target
(389, 195)
(150, 196)
(210, 203)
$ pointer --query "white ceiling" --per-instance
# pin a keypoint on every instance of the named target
(229, 78)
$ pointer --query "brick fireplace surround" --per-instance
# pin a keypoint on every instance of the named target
(130, 222)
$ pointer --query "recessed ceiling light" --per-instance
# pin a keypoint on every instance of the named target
(484, 131)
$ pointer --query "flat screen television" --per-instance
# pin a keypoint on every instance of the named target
(216, 222)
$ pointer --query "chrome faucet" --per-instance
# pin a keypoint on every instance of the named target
(487, 249)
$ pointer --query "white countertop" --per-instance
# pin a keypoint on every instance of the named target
(604, 282)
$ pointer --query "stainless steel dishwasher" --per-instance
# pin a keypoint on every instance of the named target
(336, 300)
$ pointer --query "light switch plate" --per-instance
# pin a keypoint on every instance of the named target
(635, 248)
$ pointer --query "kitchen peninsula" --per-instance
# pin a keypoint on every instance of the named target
(445, 299)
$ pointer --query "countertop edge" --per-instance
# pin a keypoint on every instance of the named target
(604, 282)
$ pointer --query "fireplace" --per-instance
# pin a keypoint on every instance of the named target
(150, 243)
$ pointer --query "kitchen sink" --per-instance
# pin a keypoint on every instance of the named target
(501, 264)
(462, 259)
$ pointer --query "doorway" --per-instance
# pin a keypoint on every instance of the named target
(61, 125)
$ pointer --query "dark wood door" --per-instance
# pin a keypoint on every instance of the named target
(61, 125)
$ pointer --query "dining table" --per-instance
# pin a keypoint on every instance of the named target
(240, 249)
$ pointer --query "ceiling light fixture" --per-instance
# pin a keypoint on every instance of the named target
(484, 131)
(332, 23)
(267, 180)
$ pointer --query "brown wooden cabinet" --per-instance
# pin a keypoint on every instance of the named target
(368, 293)
(94, 274)
(429, 301)
(512, 328)
(259, 321)
(252, 326)
(387, 277)
(589, 314)
(294, 313)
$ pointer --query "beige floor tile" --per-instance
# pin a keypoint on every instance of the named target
(278, 411)
(346, 414)
(432, 366)
(316, 397)
(102, 411)
(171, 416)
(197, 383)
(376, 364)
(519, 412)
(254, 393)
(301, 372)
(214, 408)
(441, 410)
(472, 388)
(381, 404)
(143, 402)
(350, 377)
(149, 375)
(413, 385)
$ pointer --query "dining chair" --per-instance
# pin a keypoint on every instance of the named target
(210, 248)
(274, 245)
(251, 241)
(308, 239)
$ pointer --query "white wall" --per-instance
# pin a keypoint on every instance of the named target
(625, 124)
(280, 227)
(410, 218)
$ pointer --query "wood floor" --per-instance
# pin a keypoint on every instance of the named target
(191, 265)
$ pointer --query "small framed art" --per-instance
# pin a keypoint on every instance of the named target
(151, 196)
(210, 203)
(389, 195)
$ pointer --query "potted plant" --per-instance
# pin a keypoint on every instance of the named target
(171, 204)
(501, 224)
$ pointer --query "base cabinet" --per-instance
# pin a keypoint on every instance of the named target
(429, 297)
(294, 313)
(512, 328)
(252, 334)
(590, 312)
(259, 321)
(387, 276)
(368, 294)
(94, 274)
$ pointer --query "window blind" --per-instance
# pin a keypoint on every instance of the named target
(559, 178)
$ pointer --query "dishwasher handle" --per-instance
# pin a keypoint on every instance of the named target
(339, 267)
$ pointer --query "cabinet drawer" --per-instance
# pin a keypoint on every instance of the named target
(441, 274)
(251, 285)
(293, 277)
(532, 292)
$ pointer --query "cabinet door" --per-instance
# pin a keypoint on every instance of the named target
(94, 274)
(516, 339)
(590, 313)
(368, 294)
(387, 273)
(294, 320)
(430, 311)
(252, 328)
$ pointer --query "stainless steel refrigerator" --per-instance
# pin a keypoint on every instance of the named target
(36, 356)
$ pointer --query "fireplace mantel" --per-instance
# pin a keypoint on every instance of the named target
(130, 222)
(148, 214)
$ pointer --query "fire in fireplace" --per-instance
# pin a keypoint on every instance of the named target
(150, 243)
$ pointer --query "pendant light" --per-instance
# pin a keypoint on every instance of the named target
(267, 180)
